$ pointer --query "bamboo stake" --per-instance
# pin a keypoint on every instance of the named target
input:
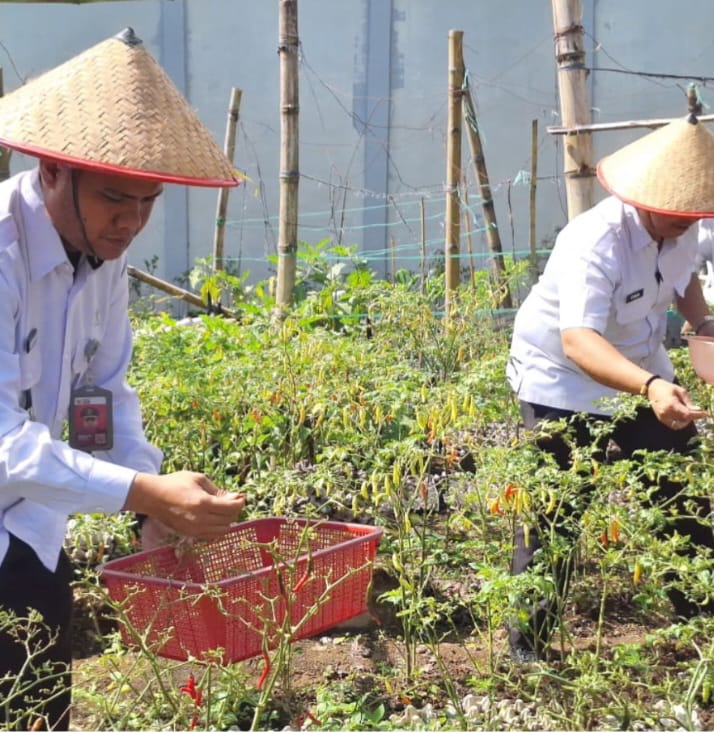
(289, 154)
(453, 165)
(392, 258)
(175, 291)
(4, 151)
(627, 125)
(532, 207)
(229, 147)
(469, 237)
(422, 220)
(493, 236)
(574, 105)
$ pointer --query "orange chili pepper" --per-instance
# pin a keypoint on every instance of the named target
(495, 508)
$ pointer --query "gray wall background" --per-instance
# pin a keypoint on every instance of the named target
(373, 93)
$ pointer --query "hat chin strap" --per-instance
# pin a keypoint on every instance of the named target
(75, 202)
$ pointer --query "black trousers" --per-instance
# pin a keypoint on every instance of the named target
(26, 583)
(643, 432)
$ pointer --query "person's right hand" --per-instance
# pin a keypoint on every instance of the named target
(188, 503)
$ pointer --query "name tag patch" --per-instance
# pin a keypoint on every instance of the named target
(636, 295)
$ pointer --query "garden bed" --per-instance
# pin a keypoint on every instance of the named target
(408, 425)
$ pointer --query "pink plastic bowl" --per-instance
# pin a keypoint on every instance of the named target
(701, 351)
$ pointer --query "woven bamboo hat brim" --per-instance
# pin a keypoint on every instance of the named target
(113, 109)
(670, 170)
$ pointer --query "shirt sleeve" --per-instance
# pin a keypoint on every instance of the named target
(587, 280)
(33, 465)
(705, 243)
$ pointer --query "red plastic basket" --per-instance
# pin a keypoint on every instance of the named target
(227, 597)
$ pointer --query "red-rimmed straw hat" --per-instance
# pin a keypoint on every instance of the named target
(670, 170)
(113, 109)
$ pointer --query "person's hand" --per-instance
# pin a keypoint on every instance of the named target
(672, 405)
(185, 503)
(154, 534)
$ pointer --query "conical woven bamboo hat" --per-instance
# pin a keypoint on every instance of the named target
(113, 109)
(670, 170)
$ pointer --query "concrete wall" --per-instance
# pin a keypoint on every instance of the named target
(373, 93)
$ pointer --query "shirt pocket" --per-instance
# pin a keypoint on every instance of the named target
(84, 354)
(30, 369)
(634, 304)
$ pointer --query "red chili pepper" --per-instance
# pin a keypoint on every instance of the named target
(190, 687)
(196, 694)
(266, 671)
(301, 582)
(312, 717)
(306, 575)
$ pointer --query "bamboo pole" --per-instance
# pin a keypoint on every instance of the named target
(422, 229)
(175, 291)
(574, 105)
(627, 125)
(453, 164)
(493, 237)
(469, 237)
(532, 205)
(229, 147)
(289, 154)
(4, 151)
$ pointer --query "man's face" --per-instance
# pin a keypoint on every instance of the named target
(668, 226)
(113, 208)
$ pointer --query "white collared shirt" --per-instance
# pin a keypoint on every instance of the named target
(58, 330)
(606, 273)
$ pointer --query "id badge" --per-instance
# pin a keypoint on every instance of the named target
(91, 425)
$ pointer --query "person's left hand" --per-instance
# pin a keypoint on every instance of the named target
(672, 405)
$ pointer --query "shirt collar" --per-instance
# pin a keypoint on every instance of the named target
(45, 250)
(50, 253)
(639, 236)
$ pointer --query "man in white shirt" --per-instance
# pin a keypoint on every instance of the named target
(592, 330)
(109, 128)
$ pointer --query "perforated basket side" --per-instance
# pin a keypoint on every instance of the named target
(322, 588)
(165, 590)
